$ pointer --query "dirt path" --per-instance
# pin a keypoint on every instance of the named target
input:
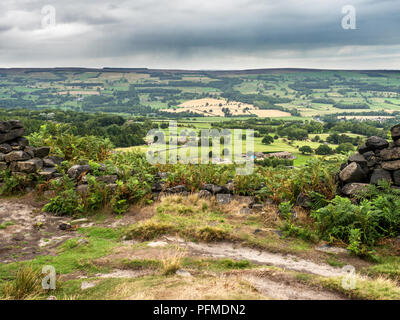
(229, 250)
(26, 232)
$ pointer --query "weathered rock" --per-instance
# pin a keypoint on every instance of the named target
(15, 124)
(5, 148)
(48, 163)
(11, 135)
(41, 152)
(396, 177)
(30, 166)
(371, 158)
(245, 210)
(4, 127)
(82, 189)
(2, 157)
(223, 198)
(359, 158)
(230, 186)
(391, 165)
(3, 166)
(56, 160)
(7, 126)
(22, 141)
(75, 171)
(244, 199)
(47, 173)
(79, 221)
(395, 132)
(380, 174)
(352, 189)
(214, 189)
(390, 154)
(17, 147)
(177, 189)
(17, 156)
(258, 207)
(29, 150)
(352, 173)
(205, 194)
(375, 142)
(363, 149)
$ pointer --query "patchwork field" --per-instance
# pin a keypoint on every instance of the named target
(179, 93)
(220, 108)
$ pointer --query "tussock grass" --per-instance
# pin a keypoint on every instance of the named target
(379, 288)
(26, 286)
(172, 262)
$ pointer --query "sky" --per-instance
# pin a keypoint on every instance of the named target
(206, 34)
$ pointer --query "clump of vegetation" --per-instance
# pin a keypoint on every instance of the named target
(69, 146)
(171, 262)
(361, 225)
(26, 286)
(15, 183)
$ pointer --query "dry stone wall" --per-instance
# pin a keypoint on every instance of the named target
(377, 159)
(19, 157)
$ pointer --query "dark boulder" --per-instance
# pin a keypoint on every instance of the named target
(177, 189)
(17, 156)
(205, 194)
(359, 158)
(13, 134)
(41, 152)
(223, 198)
(352, 189)
(30, 166)
(214, 189)
(395, 132)
(75, 171)
(391, 165)
(363, 148)
(47, 173)
(390, 154)
(396, 177)
(352, 173)
(5, 148)
(375, 143)
(380, 174)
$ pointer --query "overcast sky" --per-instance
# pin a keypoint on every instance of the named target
(206, 34)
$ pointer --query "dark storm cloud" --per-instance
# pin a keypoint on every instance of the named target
(200, 34)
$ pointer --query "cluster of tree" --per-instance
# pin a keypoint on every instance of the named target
(342, 105)
(122, 132)
(336, 138)
(324, 149)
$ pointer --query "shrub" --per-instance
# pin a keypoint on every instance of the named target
(324, 150)
(360, 225)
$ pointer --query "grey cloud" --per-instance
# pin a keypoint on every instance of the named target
(190, 33)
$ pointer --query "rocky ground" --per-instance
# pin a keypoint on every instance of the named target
(94, 260)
